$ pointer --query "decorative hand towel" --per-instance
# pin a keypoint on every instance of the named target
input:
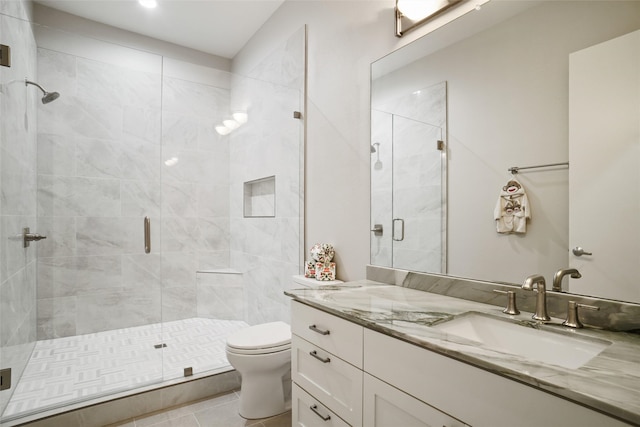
(512, 210)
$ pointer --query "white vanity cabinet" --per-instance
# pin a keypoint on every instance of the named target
(348, 375)
(386, 406)
(310, 412)
(326, 363)
(474, 395)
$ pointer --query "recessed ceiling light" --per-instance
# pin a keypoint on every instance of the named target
(149, 4)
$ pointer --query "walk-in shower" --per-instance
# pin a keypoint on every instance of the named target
(87, 312)
(47, 97)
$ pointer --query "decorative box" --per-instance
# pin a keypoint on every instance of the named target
(325, 272)
(310, 269)
(322, 252)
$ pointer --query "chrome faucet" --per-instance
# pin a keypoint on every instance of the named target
(541, 300)
(557, 278)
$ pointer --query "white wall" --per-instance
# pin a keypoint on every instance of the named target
(344, 38)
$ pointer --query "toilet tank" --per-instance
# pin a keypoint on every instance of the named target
(309, 282)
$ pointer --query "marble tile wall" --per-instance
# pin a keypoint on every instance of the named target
(267, 250)
(121, 144)
(195, 191)
(220, 295)
(99, 152)
(18, 121)
(612, 315)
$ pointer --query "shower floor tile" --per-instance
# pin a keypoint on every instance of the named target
(66, 370)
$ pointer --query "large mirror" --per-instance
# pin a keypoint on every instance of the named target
(517, 91)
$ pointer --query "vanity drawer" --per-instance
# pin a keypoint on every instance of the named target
(309, 412)
(335, 335)
(331, 380)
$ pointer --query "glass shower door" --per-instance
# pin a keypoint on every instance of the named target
(96, 173)
(17, 202)
(408, 178)
(417, 229)
(99, 151)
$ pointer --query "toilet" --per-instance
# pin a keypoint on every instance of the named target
(262, 356)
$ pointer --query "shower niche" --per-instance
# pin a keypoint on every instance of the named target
(260, 198)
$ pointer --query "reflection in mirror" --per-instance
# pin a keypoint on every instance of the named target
(507, 73)
(407, 177)
(604, 151)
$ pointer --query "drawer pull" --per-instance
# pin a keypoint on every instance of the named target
(323, 360)
(314, 408)
(320, 331)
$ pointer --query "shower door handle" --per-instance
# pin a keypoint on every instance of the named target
(147, 235)
(394, 229)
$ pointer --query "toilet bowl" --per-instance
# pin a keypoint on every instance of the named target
(262, 356)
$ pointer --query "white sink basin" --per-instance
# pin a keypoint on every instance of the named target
(556, 348)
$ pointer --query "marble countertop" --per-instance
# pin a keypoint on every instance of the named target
(609, 383)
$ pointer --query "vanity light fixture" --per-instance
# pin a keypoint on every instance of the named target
(411, 14)
(149, 4)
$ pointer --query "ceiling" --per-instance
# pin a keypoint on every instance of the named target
(218, 27)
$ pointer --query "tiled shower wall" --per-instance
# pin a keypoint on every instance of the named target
(98, 176)
(267, 250)
(195, 190)
(131, 136)
(18, 105)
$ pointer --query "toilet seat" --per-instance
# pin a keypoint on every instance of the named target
(261, 339)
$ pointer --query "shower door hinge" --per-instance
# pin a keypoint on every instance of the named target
(440, 145)
(297, 115)
(5, 379)
(5, 55)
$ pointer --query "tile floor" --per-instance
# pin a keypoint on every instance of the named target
(218, 411)
(71, 369)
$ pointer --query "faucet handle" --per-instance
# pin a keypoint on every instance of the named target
(573, 321)
(511, 302)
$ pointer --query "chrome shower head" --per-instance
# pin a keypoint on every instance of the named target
(47, 97)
